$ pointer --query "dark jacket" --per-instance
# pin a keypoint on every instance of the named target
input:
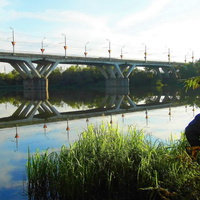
(194, 124)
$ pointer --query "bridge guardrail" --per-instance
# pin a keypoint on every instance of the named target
(85, 59)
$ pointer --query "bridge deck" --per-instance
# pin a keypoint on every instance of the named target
(36, 58)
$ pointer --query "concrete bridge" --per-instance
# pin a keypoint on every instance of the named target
(36, 68)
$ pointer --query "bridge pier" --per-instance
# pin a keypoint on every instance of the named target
(36, 95)
(117, 85)
(166, 73)
(36, 84)
(117, 90)
(116, 75)
(117, 82)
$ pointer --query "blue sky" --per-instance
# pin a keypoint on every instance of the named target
(158, 24)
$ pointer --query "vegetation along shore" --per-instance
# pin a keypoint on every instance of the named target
(109, 163)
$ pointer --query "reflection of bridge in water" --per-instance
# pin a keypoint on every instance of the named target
(41, 111)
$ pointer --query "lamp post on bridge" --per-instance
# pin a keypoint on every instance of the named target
(145, 53)
(192, 56)
(85, 53)
(169, 55)
(42, 45)
(109, 48)
(65, 46)
(185, 58)
(13, 39)
(122, 52)
(189, 53)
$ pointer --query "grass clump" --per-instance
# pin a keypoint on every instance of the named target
(106, 163)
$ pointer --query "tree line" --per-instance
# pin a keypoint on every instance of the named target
(77, 75)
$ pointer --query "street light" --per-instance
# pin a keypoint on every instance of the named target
(185, 58)
(42, 48)
(13, 39)
(109, 49)
(193, 56)
(169, 55)
(85, 53)
(65, 46)
(145, 53)
(122, 52)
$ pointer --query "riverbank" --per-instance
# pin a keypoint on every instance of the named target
(106, 163)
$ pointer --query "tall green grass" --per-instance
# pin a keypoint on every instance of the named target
(106, 163)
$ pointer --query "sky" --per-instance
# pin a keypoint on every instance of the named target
(128, 26)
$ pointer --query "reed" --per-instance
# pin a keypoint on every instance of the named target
(106, 163)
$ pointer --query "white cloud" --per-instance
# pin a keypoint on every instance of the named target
(8, 167)
(4, 3)
(3, 14)
(161, 24)
(144, 15)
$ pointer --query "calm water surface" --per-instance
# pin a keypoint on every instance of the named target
(168, 113)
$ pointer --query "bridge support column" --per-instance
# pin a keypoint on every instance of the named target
(166, 74)
(117, 82)
(117, 85)
(158, 73)
(36, 84)
(173, 73)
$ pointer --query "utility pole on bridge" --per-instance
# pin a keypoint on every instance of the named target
(42, 48)
(13, 40)
(145, 53)
(169, 55)
(109, 48)
(65, 46)
(85, 53)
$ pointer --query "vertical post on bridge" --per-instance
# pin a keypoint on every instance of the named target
(85, 53)
(169, 55)
(109, 48)
(65, 46)
(42, 48)
(13, 39)
(192, 56)
(121, 56)
(145, 53)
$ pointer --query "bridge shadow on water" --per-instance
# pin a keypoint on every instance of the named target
(42, 106)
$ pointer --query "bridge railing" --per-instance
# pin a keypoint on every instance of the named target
(82, 58)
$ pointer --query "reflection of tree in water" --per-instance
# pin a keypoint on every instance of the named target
(13, 97)
(192, 97)
(88, 103)
(149, 95)
(78, 98)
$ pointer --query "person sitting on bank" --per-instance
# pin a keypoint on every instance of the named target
(192, 133)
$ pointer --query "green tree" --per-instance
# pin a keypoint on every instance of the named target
(187, 71)
(11, 78)
(55, 76)
(143, 77)
(193, 82)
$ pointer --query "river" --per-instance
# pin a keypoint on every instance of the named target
(39, 120)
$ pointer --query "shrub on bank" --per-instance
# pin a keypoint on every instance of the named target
(106, 163)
